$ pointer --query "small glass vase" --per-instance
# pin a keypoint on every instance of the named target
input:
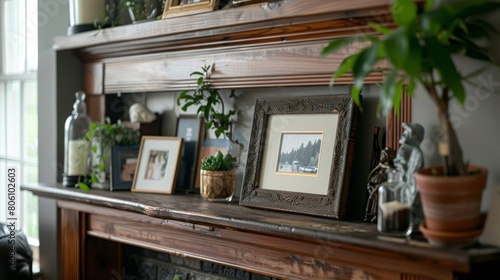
(394, 206)
(217, 186)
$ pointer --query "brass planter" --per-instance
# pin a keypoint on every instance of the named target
(217, 185)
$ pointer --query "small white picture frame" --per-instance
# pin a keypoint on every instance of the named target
(156, 169)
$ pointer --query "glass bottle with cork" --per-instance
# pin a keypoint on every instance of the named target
(76, 146)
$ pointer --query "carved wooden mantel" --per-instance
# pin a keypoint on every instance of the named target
(93, 224)
(267, 45)
(275, 44)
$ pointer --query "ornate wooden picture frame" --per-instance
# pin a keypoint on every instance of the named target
(300, 155)
(175, 8)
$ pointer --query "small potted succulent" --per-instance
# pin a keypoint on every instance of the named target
(218, 177)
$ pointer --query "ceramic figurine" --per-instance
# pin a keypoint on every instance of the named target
(376, 177)
(409, 158)
(139, 113)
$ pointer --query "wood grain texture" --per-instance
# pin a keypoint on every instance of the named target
(269, 255)
(333, 204)
(271, 45)
(103, 259)
(234, 20)
(71, 241)
(190, 213)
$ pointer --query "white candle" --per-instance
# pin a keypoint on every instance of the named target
(85, 11)
(78, 155)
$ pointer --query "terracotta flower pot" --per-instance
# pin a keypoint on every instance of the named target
(217, 185)
(451, 204)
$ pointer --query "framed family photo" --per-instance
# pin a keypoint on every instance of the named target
(124, 163)
(157, 164)
(300, 154)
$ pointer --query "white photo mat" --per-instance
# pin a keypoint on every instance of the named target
(158, 162)
(299, 123)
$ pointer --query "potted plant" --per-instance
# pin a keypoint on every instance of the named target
(421, 50)
(218, 177)
(211, 106)
(103, 137)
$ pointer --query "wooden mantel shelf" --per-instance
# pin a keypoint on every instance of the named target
(279, 244)
(270, 45)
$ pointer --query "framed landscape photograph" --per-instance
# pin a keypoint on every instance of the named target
(175, 8)
(124, 163)
(157, 164)
(300, 154)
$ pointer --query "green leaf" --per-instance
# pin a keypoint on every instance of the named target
(388, 92)
(398, 48)
(356, 96)
(479, 24)
(196, 73)
(397, 97)
(410, 88)
(82, 186)
(413, 63)
(379, 28)
(429, 5)
(335, 45)
(187, 105)
(403, 12)
(446, 68)
(463, 9)
(345, 66)
(200, 81)
(364, 63)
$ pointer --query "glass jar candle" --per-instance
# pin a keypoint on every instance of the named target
(394, 206)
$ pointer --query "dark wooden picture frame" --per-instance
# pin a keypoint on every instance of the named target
(120, 159)
(192, 130)
(273, 116)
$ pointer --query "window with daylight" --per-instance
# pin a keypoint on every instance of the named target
(18, 108)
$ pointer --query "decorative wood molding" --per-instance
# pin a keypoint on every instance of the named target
(276, 244)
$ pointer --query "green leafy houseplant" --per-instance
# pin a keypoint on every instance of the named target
(104, 136)
(421, 51)
(210, 105)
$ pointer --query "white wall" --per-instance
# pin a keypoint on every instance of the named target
(476, 122)
(53, 19)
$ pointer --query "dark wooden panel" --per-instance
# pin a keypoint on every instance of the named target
(71, 228)
(268, 242)
(95, 107)
(273, 256)
(103, 259)
(94, 76)
(238, 20)
(250, 67)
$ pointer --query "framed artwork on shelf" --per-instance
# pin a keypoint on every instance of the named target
(157, 164)
(123, 166)
(300, 155)
(175, 8)
(192, 130)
